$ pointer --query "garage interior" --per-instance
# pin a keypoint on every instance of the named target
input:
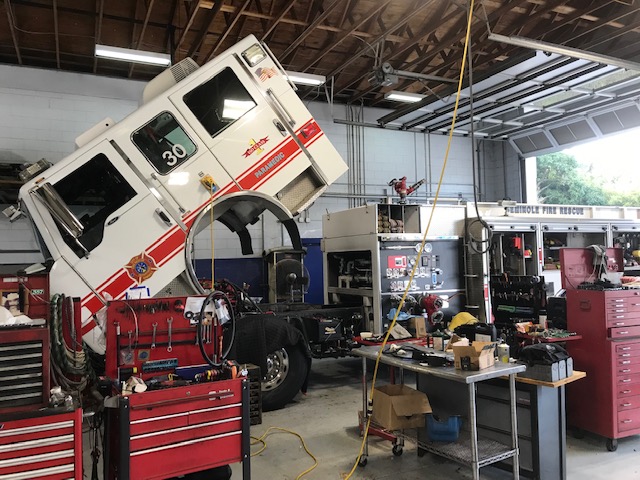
(520, 78)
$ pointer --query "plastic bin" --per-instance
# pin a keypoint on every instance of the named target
(443, 430)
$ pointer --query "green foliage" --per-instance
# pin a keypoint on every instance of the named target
(560, 181)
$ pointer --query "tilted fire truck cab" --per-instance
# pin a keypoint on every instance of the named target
(120, 212)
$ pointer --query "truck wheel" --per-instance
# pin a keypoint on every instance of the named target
(286, 372)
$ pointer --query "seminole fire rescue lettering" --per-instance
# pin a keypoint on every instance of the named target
(269, 165)
(546, 210)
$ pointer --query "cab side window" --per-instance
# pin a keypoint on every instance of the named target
(92, 193)
(164, 142)
(220, 101)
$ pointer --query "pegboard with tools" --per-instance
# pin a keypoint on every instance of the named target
(157, 338)
(176, 392)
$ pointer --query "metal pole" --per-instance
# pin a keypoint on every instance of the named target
(474, 432)
(514, 426)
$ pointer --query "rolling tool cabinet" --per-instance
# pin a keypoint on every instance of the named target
(607, 318)
(46, 444)
(609, 351)
(180, 430)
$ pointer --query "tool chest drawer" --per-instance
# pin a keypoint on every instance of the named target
(624, 332)
(620, 319)
(629, 419)
(627, 390)
(627, 369)
(179, 430)
(627, 379)
(41, 445)
(628, 402)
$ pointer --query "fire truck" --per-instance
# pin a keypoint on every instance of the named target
(225, 141)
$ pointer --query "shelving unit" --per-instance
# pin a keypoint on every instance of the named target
(469, 450)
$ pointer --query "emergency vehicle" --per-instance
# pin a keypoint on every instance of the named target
(120, 213)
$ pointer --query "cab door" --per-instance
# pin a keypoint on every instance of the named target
(232, 115)
(120, 222)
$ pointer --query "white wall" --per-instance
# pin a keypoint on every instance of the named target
(46, 110)
(43, 111)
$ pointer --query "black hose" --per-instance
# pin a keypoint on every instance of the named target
(215, 295)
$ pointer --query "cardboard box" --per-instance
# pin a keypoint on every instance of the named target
(397, 406)
(481, 355)
(418, 327)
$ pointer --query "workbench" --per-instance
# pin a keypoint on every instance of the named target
(470, 451)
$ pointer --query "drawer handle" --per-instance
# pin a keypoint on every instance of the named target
(628, 420)
(626, 380)
(626, 332)
(625, 355)
(625, 392)
(618, 316)
(625, 362)
(625, 370)
(624, 349)
(626, 404)
(619, 324)
(620, 311)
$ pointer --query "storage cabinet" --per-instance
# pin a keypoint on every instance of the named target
(609, 351)
(46, 444)
(171, 432)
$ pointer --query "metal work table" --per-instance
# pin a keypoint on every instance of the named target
(474, 452)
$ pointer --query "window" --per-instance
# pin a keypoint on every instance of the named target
(92, 193)
(220, 101)
(164, 142)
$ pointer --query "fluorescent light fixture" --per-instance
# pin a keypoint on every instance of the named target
(405, 97)
(306, 78)
(136, 56)
(234, 109)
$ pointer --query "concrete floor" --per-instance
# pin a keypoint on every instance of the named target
(327, 419)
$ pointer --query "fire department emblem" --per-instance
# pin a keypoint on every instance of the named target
(255, 146)
(141, 267)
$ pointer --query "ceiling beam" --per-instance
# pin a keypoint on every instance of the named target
(142, 32)
(345, 35)
(55, 32)
(312, 26)
(204, 30)
(384, 36)
(277, 20)
(222, 37)
(452, 38)
(14, 37)
(185, 31)
(98, 30)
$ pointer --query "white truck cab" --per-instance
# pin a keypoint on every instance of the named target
(119, 213)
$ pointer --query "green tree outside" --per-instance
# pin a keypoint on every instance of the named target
(561, 180)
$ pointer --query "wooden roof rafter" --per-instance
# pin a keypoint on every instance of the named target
(14, 36)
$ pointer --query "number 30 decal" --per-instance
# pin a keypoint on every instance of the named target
(172, 156)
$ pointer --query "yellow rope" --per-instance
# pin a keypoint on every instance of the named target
(212, 240)
(424, 239)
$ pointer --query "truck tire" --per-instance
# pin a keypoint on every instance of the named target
(286, 372)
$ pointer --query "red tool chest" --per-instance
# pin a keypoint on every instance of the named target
(607, 401)
(24, 368)
(165, 433)
(609, 351)
(46, 444)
